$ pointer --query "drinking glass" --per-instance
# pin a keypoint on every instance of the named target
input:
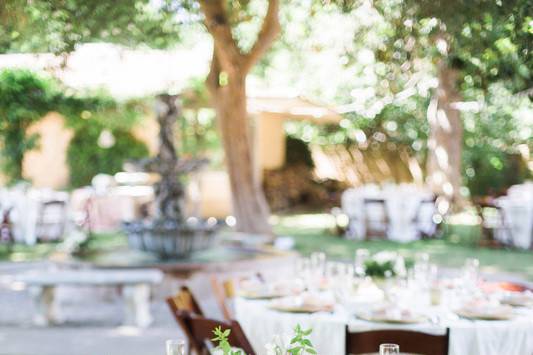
(175, 347)
(361, 256)
(422, 258)
(318, 262)
(302, 267)
(471, 270)
(387, 349)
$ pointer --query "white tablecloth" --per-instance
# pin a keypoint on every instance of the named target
(517, 208)
(512, 337)
(402, 203)
(25, 204)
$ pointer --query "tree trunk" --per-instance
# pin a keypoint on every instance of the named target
(445, 138)
(226, 82)
(249, 204)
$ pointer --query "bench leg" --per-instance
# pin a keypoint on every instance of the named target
(43, 299)
(137, 300)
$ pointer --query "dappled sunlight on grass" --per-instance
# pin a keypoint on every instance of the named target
(21, 252)
(308, 221)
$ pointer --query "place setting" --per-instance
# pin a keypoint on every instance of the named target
(258, 290)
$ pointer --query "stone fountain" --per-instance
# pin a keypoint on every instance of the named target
(168, 234)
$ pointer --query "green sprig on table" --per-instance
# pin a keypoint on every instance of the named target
(299, 344)
(221, 337)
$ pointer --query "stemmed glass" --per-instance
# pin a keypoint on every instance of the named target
(361, 256)
(175, 347)
(318, 262)
(388, 349)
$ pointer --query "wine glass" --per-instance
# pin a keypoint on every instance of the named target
(471, 271)
(175, 347)
(388, 349)
(318, 262)
(361, 256)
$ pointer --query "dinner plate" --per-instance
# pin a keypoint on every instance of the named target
(472, 314)
(301, 309)
(518, 301)
(251, 295)
(384, 319)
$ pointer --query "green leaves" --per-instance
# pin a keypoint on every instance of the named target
(221, 337)
(58, 25)
(300, 343)
(26, 97)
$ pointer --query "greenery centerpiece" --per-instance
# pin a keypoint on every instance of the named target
(299, 343)
(387, 264)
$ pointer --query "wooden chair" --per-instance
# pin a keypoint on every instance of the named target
(225, 292)
(6, 229)
(184, 301)
(424, 229)
(411, 342)
(51, 221)
(375, 227)
(199, 331)
(493, 221)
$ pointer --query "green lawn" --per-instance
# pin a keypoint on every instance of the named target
(315, 232)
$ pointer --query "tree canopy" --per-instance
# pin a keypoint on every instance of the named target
(377, 59)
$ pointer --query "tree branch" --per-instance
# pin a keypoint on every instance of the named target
(268, 33)
(217, 23)
(214, 72)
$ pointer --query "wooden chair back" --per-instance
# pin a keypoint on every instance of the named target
(418, 218)
(199, 330)
(411, 342)
(225, 291)
(184, 301)
(375, 227)
(490, 226)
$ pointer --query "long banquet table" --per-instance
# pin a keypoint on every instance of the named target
(467, 337)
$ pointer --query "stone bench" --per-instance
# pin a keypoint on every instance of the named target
(136, 289)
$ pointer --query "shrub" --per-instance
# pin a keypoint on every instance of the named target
(86, 158)
(24, 98)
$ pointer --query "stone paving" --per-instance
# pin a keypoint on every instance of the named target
(92, 320)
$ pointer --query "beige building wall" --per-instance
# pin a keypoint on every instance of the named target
(210, 193)
(147, 131)
(269, 141)
(46, 166)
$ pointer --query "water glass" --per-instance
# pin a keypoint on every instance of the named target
(318, 262)
(422, 258)
(175, 347)
(302, 267)
(361, 256)
(387, 349)
(471, 271)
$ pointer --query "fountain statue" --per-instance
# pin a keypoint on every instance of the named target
(168, 233)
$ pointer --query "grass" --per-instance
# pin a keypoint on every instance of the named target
(315, 232)
(312, 232)
(22, 252)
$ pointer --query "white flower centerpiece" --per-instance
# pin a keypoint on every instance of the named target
(386, 264)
